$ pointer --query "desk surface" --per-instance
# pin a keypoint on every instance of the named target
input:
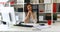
(55, 27)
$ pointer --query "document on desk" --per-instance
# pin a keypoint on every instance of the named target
(27, 23)
(41, 27)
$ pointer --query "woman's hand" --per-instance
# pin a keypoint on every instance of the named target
(27, 18)
(30, 13)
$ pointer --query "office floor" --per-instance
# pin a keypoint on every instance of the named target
(53, 28)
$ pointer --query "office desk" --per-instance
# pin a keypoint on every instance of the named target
(54, 28)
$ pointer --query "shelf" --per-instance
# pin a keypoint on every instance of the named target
(43, 20)
(45, 7)
(31, 3)
(18, 4)
(38, 1)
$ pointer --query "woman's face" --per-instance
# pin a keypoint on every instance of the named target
(29, 7)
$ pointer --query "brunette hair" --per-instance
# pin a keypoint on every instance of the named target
(25, 8)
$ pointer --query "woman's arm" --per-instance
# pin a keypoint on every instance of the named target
(33, 17)
(27, 18)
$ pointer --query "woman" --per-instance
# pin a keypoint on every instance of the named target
(30, 14)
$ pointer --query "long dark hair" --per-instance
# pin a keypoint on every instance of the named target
(25, 8)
